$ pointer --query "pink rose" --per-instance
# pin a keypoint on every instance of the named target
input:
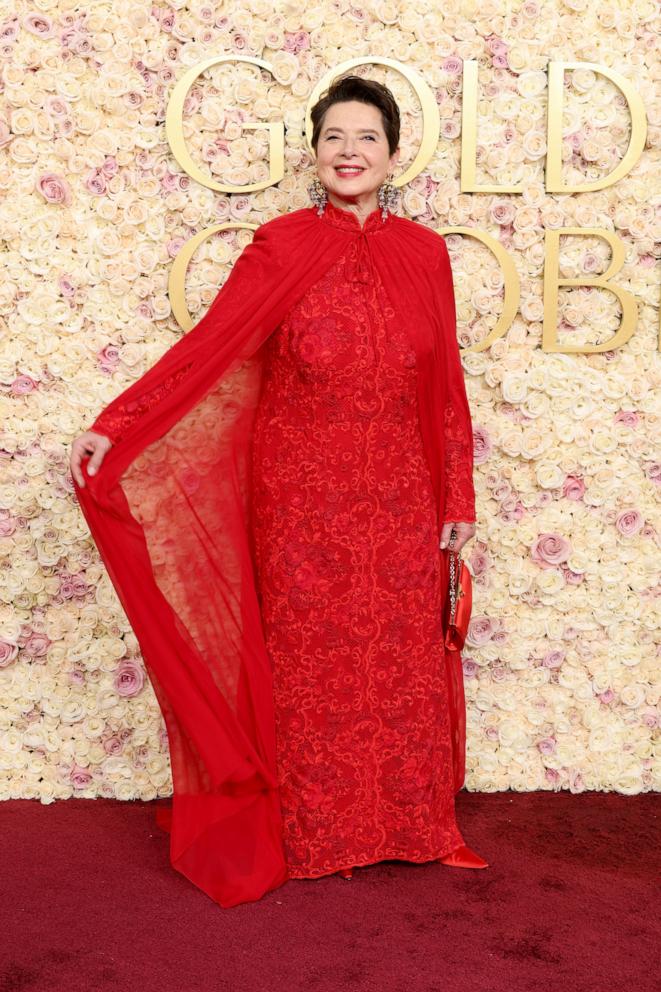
(113, 745)
(7, 525)
(502, 491)
(129, 678)
(8, 653)
(39, 24)
(469, 668)
(108, 357)
(547, 745)
(22, 385)
(66, 587)
(67, 288)
(96, 183)
(553, 659)
(627, 417)
(479, 563)
(651, 718)
(174, 246)
(480, 630)
(629, 522)
(606, 697)
(37, 645)
(110, 166)
(502, 212)
(9, 30)
(79, 777)
(240, 207)
(550, 550)
(496, 45)
(591, 262)
(482, 445)
(452, 65)
(551, 775)
(654, 473)
(573, 487)
(55, 106)
(54, 188)
(168, 182)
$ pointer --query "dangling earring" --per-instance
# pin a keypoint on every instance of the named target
(387, 196)
(318, 194)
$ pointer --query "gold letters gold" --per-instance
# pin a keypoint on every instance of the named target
(430, 136)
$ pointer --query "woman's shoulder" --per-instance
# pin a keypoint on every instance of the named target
(417, 229)
(421, 237)
(283, 223)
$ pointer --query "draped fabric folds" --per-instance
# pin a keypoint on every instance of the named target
(170, 513)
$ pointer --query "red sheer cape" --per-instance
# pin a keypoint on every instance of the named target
(170, 513)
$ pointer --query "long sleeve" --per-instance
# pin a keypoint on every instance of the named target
(130, 405)
(120, 414)
(458, 429)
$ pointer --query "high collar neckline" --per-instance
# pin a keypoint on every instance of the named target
(348, 220)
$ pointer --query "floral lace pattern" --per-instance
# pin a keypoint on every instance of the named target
(346, 548)
(118, 416)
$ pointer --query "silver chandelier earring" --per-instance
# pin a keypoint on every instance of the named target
(387, 196)
(318, 194)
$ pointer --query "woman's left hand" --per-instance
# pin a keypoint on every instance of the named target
(464, 533)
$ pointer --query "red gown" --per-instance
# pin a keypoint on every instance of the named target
(288, 609)
(346, 542)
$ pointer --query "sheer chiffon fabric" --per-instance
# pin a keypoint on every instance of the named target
(170, 512)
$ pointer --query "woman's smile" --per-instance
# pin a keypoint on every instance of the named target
(349, 170)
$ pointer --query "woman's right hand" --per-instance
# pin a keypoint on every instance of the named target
(88, 444)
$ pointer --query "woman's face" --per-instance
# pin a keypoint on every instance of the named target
(353, 158)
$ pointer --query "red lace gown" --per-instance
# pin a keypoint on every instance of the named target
(346, 547)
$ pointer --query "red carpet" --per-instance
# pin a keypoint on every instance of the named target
(90, 904)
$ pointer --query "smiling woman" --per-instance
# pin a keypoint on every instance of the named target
(270, 511)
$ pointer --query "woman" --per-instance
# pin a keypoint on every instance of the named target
(272, 498)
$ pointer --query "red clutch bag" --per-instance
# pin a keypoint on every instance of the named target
(459, 603)
(457, 612)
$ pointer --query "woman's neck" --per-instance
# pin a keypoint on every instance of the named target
(362, 208)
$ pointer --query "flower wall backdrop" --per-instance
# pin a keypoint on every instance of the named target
(561, 667)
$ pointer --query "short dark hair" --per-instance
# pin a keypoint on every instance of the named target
(365, 91)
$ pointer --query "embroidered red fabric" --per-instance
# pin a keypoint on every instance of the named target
(269, 514)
